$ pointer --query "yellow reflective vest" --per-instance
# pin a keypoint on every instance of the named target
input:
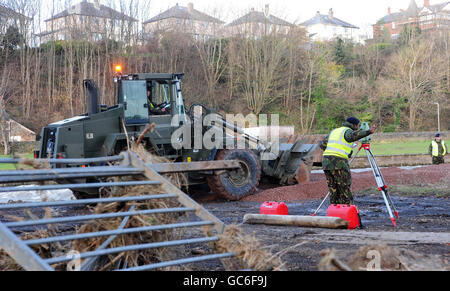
(435, 151)
(337, 145)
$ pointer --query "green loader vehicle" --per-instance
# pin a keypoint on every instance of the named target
(156, 99)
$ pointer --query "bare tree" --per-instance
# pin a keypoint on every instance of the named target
(419, 72)
(212, 54)
(262, 62)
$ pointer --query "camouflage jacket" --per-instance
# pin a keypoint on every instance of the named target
(331, 163)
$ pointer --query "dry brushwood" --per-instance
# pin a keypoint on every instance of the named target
(7, 263)
(179, 180)
(136, 258)
(390, 259)
(129, 259)
(35, 164)
(330, 262)
(250, 254)
(396, 259)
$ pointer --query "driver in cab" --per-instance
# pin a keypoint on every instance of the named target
(156, 109)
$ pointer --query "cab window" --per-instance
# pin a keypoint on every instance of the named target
(133, 94)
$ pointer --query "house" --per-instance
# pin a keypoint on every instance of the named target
(90, 21)
(427, 18)
(328, 27)
(9, 17)
(15, 131)
(184, 19)
(257, 24)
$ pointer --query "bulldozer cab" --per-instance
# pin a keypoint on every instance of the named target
(146, 97)
(133, 95)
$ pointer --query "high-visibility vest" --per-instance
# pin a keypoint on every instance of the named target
(436, 148)
(337, 145)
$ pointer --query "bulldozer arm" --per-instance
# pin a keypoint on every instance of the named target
(294, 162)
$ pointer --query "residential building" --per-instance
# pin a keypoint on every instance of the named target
(328, 27)
(9, 17)
(184, 19)
(427, 18)
(16, 132)
(90, 21)
(257, 24)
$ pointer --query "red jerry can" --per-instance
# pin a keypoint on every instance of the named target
(274, 208)
(348, 213)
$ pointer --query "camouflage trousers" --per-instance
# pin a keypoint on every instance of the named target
(339, 183)
(438, 160)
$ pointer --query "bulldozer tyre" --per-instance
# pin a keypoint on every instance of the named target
(238, 184)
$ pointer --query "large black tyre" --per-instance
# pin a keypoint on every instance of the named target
(238, 184)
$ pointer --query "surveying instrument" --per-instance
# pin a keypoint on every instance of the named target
(382, 186)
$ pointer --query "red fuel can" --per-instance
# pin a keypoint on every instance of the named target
(274, 208)
(348, 213)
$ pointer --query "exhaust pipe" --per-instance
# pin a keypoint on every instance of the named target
(93, 100)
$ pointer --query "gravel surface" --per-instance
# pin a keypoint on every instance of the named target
(317, 188)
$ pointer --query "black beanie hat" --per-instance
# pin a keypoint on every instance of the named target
(353, 120)
(438, 135)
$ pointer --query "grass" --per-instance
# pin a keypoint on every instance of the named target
(399, 148)
(6, 167)
(413, 191)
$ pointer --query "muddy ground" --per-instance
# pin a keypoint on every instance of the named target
(420, 195)
(423, 226)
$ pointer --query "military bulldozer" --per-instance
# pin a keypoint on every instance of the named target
(156, 99)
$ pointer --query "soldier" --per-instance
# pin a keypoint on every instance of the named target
(338, 147)
(438, 149)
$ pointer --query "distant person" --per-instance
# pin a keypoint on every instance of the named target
(438, 149)
(338, 147)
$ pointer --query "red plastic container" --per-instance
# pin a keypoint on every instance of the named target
(274, 208)
(348, 213)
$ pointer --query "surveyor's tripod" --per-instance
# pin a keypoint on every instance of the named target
(380, 182)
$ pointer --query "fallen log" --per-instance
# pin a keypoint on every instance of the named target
(291, 220)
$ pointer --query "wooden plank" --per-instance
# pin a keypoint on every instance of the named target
(291, 220)
(183, 198)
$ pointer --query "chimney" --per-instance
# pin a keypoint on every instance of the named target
(97, 4)
(331, 13)
(426, 3)
(191, 7)
(267, 11)
(389, 10)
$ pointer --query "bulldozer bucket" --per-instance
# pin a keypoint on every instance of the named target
(294, 162)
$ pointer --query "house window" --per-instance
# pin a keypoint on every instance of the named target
(394, 26)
